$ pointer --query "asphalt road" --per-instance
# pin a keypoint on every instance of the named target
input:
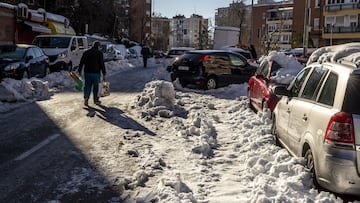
(42, 143)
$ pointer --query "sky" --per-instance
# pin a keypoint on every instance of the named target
(224, 152)
(206, 8)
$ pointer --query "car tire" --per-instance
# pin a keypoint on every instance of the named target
(310, 164)
(25, 75)
(274, 132)
(264, 105)
(211, 83)
(47, 71)
(251, 106)
(183, 83)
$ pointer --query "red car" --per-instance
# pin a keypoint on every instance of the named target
(260, 92)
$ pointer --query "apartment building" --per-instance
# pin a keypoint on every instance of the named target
(160, 31)
(140, 21)
(189, 32)
(272, 26)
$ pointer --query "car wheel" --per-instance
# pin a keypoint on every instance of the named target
(310, 164)
(47, 71)
(182, 83)
(274, 132)
(251, 106)
(264, 105)
(211, 83)
(25, 75)
(70, 67)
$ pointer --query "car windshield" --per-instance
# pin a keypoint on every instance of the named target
(11, 53)
(352, 95)
(52, 42)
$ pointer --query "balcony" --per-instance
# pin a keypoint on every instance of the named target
(345, 6)
(337, 29)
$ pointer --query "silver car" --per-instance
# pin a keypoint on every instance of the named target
(318, 117)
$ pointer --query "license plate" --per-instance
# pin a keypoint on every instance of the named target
(183, 67)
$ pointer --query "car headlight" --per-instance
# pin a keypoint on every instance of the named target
(12, 67)
(63, 54)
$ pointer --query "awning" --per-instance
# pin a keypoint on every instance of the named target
(36, 27)
(59, 29)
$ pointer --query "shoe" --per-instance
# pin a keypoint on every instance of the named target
(86, 102)
(97, 102)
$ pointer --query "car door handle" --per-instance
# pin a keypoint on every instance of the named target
(304, 118)
(288, 111)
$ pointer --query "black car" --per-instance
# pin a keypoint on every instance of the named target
(22, 61)
(209, 69)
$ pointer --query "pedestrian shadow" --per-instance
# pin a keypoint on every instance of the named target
(116, 117)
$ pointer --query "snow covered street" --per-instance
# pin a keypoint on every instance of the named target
(166, 143)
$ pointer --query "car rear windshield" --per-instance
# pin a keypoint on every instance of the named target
(193, 57)
(352, 95)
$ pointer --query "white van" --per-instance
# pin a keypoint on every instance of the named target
(64, 51)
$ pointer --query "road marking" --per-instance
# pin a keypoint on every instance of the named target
(37, 147)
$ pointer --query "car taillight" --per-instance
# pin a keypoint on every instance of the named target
(340, 128)
(204, 57)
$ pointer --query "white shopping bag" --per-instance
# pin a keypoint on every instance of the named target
(104, 89)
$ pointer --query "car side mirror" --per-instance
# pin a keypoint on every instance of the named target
(73, 48)
(282, 91)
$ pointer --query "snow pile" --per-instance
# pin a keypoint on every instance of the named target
(349, 52)
(290, 67)
(157, 99)
(12, 90)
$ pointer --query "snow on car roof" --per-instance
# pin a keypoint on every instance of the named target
(349, 52)
(290, 67)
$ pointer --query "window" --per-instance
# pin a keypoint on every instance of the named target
(352, 95)
(328, 93)
(313, 84)
(264, 66)
(37, 52)
(80, 43)
(30, 52)
(316, 23)
(298, 82)
(236, 61)
(317, 3)
(274, 68)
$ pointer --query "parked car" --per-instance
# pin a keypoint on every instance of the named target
(64, 51)
(298, 53)
(209, 69)
(276, 69)
(245, 52)
(111, 53)
(318, 117)
(22, 61)
(173, 54)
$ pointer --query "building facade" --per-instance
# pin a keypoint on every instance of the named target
(140, 21)
(160, 31)
(189, 32)
(272, 26)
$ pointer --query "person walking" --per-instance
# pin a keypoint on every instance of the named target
(145, 52)
(93, 62)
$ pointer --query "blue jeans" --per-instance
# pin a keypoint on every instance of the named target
(92, 81)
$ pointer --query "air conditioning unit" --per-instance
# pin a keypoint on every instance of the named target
(22, 11)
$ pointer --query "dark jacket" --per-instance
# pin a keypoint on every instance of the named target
(145, 52)
(93, 60)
